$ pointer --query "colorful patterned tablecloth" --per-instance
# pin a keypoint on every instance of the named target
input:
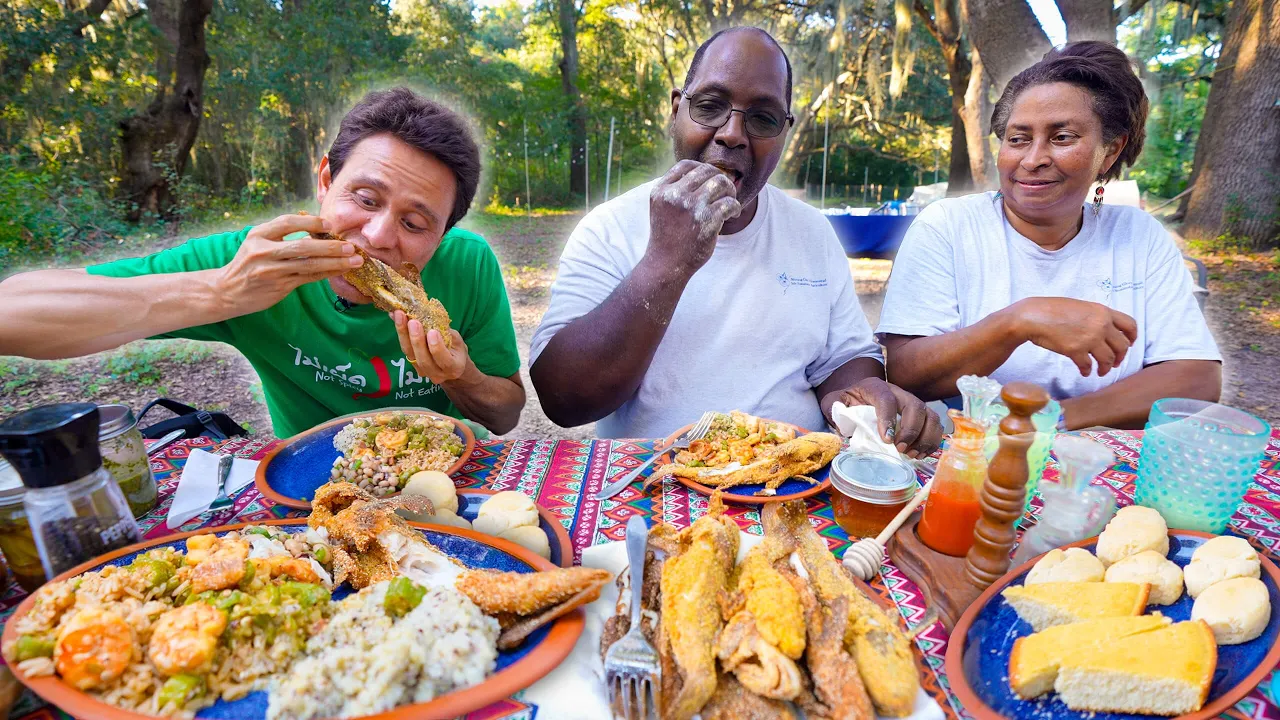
(562, 476)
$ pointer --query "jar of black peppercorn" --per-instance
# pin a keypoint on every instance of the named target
(75, 508)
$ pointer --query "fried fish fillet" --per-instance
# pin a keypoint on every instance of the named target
(692, 580)
(837, 692)
(371, 543)
(878, 645)
(732, 701)
(391, 290)
(794, 458)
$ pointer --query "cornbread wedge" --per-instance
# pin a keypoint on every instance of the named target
(1060, 603)
(1162, 672)
(1036, 659)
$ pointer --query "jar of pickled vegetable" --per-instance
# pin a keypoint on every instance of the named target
(16, 542)
(124, 455)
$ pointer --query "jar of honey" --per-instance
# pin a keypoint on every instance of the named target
(868, 490)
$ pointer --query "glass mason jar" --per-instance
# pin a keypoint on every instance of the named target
(124, 455)
(16, 542)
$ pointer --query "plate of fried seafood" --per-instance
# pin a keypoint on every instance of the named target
(377, 451)
(751, 460)
(353, 612)
(784, 630)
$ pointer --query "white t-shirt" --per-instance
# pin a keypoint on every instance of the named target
(961, 260)
(769, 317)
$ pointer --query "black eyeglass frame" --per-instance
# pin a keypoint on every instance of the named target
(787, 119)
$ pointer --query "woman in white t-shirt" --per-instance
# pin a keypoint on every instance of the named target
(1029, 283)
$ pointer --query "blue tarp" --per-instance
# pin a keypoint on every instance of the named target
(870, 235)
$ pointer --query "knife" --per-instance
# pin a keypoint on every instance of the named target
(165, 442)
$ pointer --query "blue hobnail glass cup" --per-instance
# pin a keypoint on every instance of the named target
(1198, 459)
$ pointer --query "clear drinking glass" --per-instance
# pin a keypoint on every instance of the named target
(1198, 459)
(1046, 422)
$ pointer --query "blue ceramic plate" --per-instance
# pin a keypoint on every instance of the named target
(516, 669)
(290, 474)
(790, 489)
(979, 648)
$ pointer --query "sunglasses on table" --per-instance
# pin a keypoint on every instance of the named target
(714, 112)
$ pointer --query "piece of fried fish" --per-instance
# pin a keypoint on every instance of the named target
(879, 647)
(391, 290)
(692, 579)
(371, 543)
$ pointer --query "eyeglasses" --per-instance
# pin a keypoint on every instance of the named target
(714, 112)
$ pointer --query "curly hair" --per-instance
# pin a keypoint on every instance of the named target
(1102, 70)
(418, 121)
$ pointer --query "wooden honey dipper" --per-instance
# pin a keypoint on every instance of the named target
(864, 556)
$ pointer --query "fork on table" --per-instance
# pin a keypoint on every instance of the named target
(632, 673)
(697, 432)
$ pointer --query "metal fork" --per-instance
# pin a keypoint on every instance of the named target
(697, 432)
(632, 672)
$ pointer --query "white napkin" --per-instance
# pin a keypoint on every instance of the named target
(860, 425)
(575, 689)
(198, 485)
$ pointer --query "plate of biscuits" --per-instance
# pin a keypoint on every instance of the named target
(1140, 621)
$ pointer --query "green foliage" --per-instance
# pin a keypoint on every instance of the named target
(142, 363)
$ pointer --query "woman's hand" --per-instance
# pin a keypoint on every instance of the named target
(1077, 329)
(917, 431)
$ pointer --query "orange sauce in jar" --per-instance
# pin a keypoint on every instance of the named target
(868, 490)
(953, 506)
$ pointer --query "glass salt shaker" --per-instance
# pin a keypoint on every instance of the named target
(74, 506)
(1073, 509)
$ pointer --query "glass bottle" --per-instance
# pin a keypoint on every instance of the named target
(952, 508)
(1073, 509)
(75, 509)
(16, 543)
(124, 455)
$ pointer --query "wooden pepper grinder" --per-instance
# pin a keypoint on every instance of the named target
(1004, 494)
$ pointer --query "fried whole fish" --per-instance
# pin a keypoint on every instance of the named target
(692, 580)
(837, 691)
(371, 543)
(390, 290)
(877, 644)
(794, 458)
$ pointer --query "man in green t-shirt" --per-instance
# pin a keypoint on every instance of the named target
(400, 174)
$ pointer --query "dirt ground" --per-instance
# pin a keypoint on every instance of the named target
(1243, 311)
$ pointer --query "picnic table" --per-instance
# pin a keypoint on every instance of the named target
(563, 476)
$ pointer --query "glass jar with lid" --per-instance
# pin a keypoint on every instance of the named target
(868, 490)
(124, 455)
(16, 542)
(75, 509)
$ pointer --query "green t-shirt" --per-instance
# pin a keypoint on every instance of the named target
(317, 363)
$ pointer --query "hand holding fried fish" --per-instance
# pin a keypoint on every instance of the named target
(391, 290)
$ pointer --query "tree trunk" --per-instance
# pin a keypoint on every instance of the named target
(298, 159)
(1237, 177)
(167, 129)
(1088, 20)
(1007, 35)
(945, 27)
(976, 113)
(568, 13)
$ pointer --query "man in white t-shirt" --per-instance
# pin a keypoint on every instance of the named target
(709, 289)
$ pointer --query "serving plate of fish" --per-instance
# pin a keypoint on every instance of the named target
(782, 631)
(353, 612)
(751, 460)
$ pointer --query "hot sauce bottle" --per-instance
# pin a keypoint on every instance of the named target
(953, 508)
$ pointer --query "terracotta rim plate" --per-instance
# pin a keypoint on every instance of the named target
(790, 489)
(1215, 705)
(561, 546)
(309, 448)
(541, 659)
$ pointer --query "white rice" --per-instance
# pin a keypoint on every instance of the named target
(366, 662)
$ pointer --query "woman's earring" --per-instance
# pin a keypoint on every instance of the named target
(1097, 201)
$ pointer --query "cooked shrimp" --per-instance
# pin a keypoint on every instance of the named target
(185, 638)
(217, 574)
(392, 439)
(94, 647)
(296, 568)
(199, 547)
(384, 418)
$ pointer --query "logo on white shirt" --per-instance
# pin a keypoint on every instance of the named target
(790, 282)
(1109, 286)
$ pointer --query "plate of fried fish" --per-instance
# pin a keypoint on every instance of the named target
(353, 612)
(784, 630)
(751, 460)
